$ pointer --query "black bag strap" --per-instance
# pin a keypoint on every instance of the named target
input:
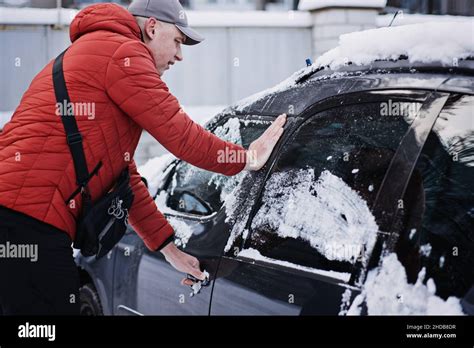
(73, 136)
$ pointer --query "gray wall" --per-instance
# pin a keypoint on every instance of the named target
(232, 63)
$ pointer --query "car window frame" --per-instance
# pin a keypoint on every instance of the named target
(352, 98)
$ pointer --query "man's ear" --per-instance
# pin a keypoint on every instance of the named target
(151, 27)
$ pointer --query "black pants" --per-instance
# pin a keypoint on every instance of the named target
(41, 278)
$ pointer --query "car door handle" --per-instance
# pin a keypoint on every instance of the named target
(197, 283)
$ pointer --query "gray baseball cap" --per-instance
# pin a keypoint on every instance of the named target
(169, 11)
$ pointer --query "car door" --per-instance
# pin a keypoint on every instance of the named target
(436, 236)
(193, 201)
(312, 225)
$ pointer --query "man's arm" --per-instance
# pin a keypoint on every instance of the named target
(134, 85)
(144, 216)
(155, 230)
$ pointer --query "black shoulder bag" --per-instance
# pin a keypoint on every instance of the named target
(103, 223)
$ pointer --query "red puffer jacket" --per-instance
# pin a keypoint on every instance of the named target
(110, 69)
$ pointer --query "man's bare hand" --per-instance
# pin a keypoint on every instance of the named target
(182, 262)
(260, 150)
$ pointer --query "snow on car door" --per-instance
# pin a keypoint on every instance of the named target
(313, 223)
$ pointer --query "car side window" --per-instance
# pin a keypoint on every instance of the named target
(315, 208)
(199, 192)
(439, 221)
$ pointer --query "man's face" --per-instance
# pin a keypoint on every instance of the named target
(164, 40)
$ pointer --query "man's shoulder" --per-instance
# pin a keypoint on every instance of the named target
(105, 43)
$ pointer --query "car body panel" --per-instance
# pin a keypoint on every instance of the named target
(144, 283)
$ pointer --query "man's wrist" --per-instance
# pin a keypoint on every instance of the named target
(250, 157)
(167, 244)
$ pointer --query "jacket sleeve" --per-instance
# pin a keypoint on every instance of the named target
(144, 216)
(134, 84)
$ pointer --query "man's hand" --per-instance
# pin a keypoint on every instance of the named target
(260, 150)
(182, 262)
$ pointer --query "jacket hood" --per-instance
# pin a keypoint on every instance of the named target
(110, 17)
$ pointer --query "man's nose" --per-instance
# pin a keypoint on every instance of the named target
(179, 55)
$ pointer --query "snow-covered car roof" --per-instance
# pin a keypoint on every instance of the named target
(442, 44)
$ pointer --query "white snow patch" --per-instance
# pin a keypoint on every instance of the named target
(455, 129)
(345, 302)
(234, 208)
(182, 231)
(387, 292)
(327, 213)
(255, 255)
(229, 131)
(419, 42)
(425, 250)
(160, 202)
(441, 262)
(155, 171)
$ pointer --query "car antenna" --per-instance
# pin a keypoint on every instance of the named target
(395, 16)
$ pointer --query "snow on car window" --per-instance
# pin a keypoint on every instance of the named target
(182, 231)
(205, 186)
(455, 129)
(155, 171)
(236, 207)
(325, 212)
(230, 131)
(254, 254)
(386, 291)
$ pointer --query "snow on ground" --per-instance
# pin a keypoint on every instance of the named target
(440, 42)
(255, 255)
(387, 292)
(326, 212)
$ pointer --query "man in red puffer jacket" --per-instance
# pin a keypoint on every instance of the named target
(114, 64)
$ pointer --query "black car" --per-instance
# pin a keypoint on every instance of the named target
(375, 161)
